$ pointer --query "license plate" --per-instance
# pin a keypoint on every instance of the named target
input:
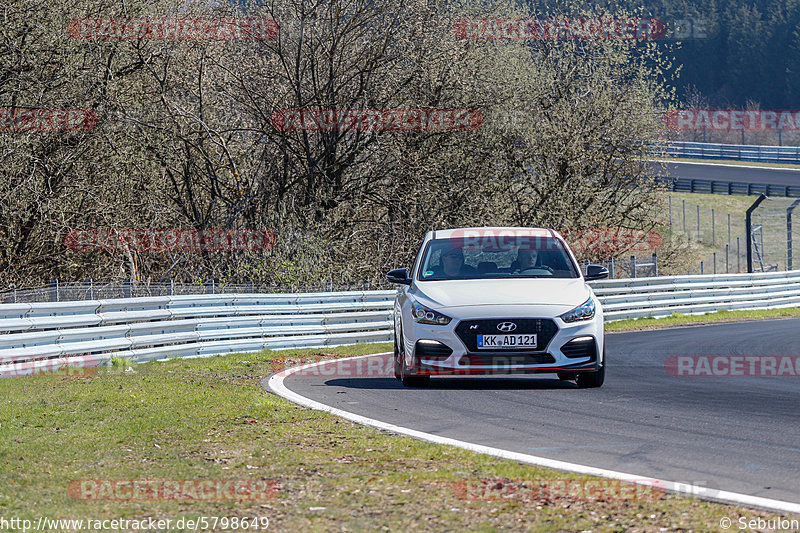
(505, 342)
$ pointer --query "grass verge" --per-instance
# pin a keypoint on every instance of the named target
(208, 419)
(677, 319)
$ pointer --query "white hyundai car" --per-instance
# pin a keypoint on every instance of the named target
(497, 300)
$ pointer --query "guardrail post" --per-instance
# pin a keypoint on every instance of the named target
(715, 262)
(655, 264)
(727, 260)
(172, 287)
(698, 223)
(670, 212)
(789, 233)
(713, 228)
(729, 227)
(209, 284)
(684, 215)
(748, 227)
(126, 288)
(738, 256)
(701, 268)
(53, 290)
(90, 289)
(611, 269)
(633, 266)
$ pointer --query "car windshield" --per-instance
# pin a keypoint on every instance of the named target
(469, 258)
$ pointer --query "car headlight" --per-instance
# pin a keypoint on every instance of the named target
(426, 315)
(585, 311)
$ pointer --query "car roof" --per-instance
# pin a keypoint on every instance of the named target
(492, 230)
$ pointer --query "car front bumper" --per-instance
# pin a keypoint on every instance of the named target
(451, 350)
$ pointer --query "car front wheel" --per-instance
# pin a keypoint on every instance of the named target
(589, 380)
(397, 371)
(403, 371)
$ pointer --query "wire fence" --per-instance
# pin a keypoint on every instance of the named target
(723, 234)
(59, 291)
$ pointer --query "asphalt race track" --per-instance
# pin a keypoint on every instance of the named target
(740, 434)
(734, 173)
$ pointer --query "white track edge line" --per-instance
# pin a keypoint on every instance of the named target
(275, 383)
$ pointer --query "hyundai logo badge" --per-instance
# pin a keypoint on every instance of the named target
(507, 327)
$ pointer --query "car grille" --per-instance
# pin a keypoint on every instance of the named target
(580, 348)
(499, 359)
(544, 328)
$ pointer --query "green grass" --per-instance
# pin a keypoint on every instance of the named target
(677, 319)
(734, 204)
(209, 419)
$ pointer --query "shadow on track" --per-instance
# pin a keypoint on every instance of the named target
(457, 383)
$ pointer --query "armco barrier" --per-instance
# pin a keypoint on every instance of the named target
(663, 296)
(89, 333)
(736, 152)
(730, 187)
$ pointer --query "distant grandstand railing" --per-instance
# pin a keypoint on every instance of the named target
(736, 152)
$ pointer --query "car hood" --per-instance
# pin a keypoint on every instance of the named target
(532, 291)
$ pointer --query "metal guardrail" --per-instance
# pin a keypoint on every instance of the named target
(89, 333)
(665, 295)
(736, 152)
(48, 335)
(727, 187)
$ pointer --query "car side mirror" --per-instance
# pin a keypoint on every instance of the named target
(596, 272)
(399, 275)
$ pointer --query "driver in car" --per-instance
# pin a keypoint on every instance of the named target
(452, 264)
(525, 259)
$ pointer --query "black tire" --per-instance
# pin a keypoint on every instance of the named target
(405, 379)
(566, 376)
(397, 374)
(591, 380)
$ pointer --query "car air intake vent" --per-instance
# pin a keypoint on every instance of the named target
(578, 348)
(429, 348)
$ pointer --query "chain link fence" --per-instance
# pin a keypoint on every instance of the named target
(58, 291)
(774, 242)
